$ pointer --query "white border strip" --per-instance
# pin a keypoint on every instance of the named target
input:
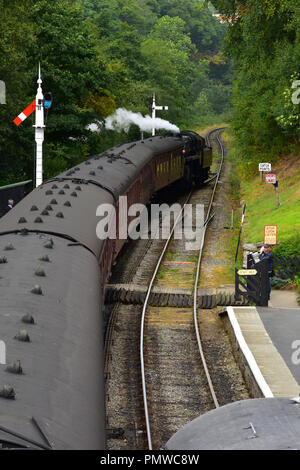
(260, 380)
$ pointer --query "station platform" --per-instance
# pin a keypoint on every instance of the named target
(268, 339)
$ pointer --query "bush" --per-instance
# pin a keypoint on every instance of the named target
(278, 283)
(289, 247)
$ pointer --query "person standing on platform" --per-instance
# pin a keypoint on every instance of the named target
(266, 252)
(9, 206)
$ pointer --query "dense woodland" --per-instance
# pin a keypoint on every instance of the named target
(97, 56)
(263, 41)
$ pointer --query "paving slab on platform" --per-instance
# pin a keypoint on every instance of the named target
(267, 362)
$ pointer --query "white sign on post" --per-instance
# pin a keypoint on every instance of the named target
(271, 178)
(265, 167)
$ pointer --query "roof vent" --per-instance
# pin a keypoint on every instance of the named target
(28, 319)
(7, 392)
(40, 272)
(49, 243)
(15, 368)
(9, 247)
(45, 258)
(37, 290)
(23, 336)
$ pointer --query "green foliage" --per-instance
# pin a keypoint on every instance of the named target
(289, 247)
(97, 55)
(263, 42)
(279, 283)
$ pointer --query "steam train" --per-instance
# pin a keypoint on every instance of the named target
(51, 288)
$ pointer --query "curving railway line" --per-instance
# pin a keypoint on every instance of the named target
(173, 386)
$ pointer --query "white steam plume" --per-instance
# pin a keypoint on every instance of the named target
(123, 119)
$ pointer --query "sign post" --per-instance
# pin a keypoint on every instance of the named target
(264, 167)
(154, 108)
(272, 179)
(270, 234)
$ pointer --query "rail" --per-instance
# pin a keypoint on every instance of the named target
(179, 217)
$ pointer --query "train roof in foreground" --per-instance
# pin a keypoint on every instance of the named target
(255, 424)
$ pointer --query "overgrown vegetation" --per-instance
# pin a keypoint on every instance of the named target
(99, 55)
(263, 42)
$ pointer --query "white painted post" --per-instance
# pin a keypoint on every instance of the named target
(39, 132)
(154, 108)
(153, 114)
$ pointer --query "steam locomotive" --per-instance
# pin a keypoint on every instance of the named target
(52, 290)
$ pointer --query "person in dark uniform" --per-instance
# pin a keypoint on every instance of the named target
(266, 252)
(9, 206)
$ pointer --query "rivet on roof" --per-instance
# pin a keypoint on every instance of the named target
(49, 192)
(7, 392)
(100, 167)
(40, 272)
(54, 201)
(49, 243)
(87, 163)
(45, 212)
(15, 368)
(3, 260)
(24, 232)
(28, 319)
(22, 335)
(54, 186)
(74, 194)
(67, 204)
(61, 192)
(78, 188)
(60, 215)
(48, 208)
(34, 208)
(37, 290)
(22, 220)
(92, 173)
(38, 220)
(66, 186)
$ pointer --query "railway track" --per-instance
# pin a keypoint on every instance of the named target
(171, 387)
(145, 314)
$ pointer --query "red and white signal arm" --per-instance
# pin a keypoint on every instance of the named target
(271, 178)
